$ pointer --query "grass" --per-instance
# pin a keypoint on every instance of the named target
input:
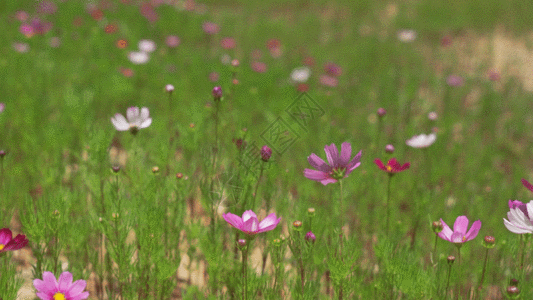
(127, 233)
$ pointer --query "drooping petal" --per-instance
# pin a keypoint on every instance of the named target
(474, 230)
(65, 280)
(18, 242)
(132, 113)
(380, 164)
(332, 154)
(446, 233)
(233, 220)
(346, 153)
(318, 163)
(517, 222)
(269, 223)
(328, 181)
(120, 123)
(461, 224)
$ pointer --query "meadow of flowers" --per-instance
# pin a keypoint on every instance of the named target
(171, 149)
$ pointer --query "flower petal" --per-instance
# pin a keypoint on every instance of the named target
(5, 236)
(460, 225)
(315, 175)
(356, 162)
(233, 220)
(380, 164)
(146, 123)
(528, 185)
(120, 123)
(318, 163)
(132, 114)
(332, 154)
(269, 223)
(145, 113)
(446, 233)
(76, 289)
(250, 222)
(474, 230)
(65, 280)
(346, 152)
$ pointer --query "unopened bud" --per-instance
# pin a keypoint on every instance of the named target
(489, 242)
(436, 226)
(310, 237)
(513, 281)
(169, 88)
(217, 93)
(235, 63)
(311, 212)
(115, 215)
(179, 175)
(266, 152)
(241, 243)
(155, 169)
(513, 292)
(389, 149)
(432, 116)
(381, 112)
(297, 225)
(2, 153)
(276, 242)
(115, 169)
(451, 259)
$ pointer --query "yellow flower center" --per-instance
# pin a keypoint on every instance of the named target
(2, 246)
(59, 296)
(389, 168)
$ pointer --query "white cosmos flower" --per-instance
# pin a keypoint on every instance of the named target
(300, 74)
(139, 58)
(421, 141)
(406, 35)
(518, 221)
(137, 119)
(147, 46)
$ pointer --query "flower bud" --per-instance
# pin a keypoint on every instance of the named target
(297, 225)
(451, 259)
(241, 243)
(115, 215)
(276, 242)
(432, 116)
(217, 93)
(311, 212)
(389, 149)
(179, 175)
(266, 152)
(513, 281)
(381, 112)
(115, 169)
(169, 88)
(513, 292)
(235, 63)
(155, 169)
(310, 237)
(489, 242)
(2, 153)
(436, 226)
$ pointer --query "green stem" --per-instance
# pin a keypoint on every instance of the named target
(387, 204)
(216, 135)
(484, 269)
(244, 271)
(341, 202)
(448, 280)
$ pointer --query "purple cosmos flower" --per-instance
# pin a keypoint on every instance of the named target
(8, 243)
(528, 185)
(249, 223)
(339, 166)
(210, 28)
(51, 289)
(137, 119)
(519, 221)
(393, 166)
(459, 235)
(217, 93)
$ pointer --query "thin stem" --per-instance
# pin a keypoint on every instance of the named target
(254, 195)
(448, 280)
(244, 271)
(484, 269)
(341, 289)
(216, 135)
(387, 204)
(341, 201)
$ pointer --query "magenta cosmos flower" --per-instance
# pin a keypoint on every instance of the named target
(459, 235)
(8, 243)
(249, 223)
(51, 289)
(393, 166)
(339, 166)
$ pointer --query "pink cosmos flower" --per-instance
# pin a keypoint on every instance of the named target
(210, 28)
(51, 289)
(393, 166)
(172, 41)
(8, 243)
(339, 166)
(249, 223)
(528, 185)
(259, 67)
(328, 80)
(228, 43)
(519, 221)
(459, 235)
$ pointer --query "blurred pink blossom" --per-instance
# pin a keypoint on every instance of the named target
(333, 69)
(328, 80)
(210, 28)
(21, 47)
(228, 43)
(455, 80)
(172, 41)
(213, 76)
(47, 7)
(21, 15)
(259, 67)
